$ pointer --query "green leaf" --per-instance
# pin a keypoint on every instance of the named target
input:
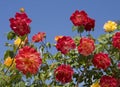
(8, 44)
(11, 35)
(20, 84)
(99, 48)
(44, 67)
(102, 39)
(80, 29)
(118, 27)
(23, 37)
(48, 44)
(8, 53)
(74, 28)
(77, 39)
(4, 80)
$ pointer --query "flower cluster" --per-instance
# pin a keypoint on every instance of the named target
(70, 65)
(65, 44)
(80, 18)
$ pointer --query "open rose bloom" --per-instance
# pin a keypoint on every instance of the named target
(65, 44)
(86, 46)
(28, 60)
(20, 24)
(63, 73)
(101, 61)
(110, 26)
(80, 18)
(108, 81)
(116, 40)
(38, 37)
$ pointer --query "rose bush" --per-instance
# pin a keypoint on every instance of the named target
(79, 61)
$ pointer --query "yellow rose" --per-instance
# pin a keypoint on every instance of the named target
(8, 61)
(110, 26)
(57, 37)
(96, 84)
(18, 41)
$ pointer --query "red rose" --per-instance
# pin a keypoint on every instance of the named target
(24, 17)
(116, 40)
(20, 24)
(101, 60)
(86, 46)
(108, 81)
(38, 37)
(63, 73)
(65, 44)
(89, 24)
(78, 18)
(28, 60)
(118, 82)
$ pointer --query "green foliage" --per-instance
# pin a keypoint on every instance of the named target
(9, 53)
(80, 29)
(11, 35)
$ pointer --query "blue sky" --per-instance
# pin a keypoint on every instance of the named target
(52, 16)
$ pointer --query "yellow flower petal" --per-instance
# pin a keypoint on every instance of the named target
(96, 84)
(17, 42)
(110, 26)
(57, 37)
(8, 61)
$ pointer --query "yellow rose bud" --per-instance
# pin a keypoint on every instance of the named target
(110, 26)
(22, 10)
(96, 84)
(8, 61)
(57, 37)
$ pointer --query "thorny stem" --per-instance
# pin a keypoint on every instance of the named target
(45, 46)
(64, 59)
(80, 76)
(119, 55)
(80, 34)
(88, 33)
(84, 71)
